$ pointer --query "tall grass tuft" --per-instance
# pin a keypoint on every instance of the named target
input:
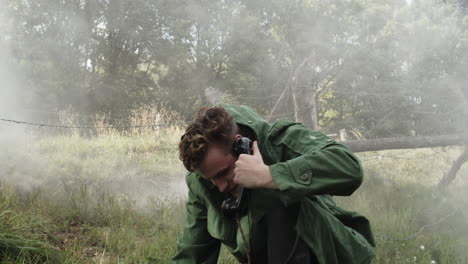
(19, 249)
(18, 222)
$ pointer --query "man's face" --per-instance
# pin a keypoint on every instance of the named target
(218, 166)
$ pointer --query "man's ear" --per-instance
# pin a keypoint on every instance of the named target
(231, 146)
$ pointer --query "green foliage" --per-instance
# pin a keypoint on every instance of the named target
(385, 68)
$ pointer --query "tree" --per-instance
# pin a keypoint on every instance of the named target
(378, 68)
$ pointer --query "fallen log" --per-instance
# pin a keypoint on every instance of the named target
(407, 142)
(417, 142)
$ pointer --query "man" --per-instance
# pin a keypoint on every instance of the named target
(286, 213)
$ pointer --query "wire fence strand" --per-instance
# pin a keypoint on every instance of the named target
(89, 127)
(421, 229)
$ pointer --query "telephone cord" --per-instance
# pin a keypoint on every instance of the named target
(247, 247)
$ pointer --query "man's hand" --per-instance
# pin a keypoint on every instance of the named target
(251, 172)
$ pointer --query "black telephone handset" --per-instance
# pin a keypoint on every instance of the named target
(231, 205)
(242, 145)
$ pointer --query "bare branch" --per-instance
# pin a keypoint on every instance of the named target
(450, 176)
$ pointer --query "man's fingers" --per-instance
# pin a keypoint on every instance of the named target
(256, 151)
(235, 179)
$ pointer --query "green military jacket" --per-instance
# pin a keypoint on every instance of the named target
(308, 168)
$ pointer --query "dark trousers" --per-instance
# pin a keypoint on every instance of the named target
(284, 245)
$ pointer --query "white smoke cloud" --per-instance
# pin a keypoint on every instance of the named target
(10, 92)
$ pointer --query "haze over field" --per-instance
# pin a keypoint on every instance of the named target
(377, 69)
(122, 78)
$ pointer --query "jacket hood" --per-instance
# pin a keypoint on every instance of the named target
(247, 116)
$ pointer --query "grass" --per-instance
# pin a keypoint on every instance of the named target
(119, 198)
(414, 221)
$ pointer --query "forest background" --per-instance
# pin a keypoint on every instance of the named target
(382, 68)
(122, 78)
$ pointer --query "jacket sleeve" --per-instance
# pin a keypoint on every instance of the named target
(313, 164)
(196, 245)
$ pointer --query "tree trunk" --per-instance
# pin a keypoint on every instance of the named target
(305, 110)
(305, 107)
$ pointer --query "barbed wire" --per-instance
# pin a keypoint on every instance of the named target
(379, 157)
(382, 167)
(379, 121)
(424, 227)
(74, 114)
(95, 127)
(266, 97)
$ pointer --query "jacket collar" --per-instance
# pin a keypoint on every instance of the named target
(247, 116)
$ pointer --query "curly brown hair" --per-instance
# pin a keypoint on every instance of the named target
(210, 126)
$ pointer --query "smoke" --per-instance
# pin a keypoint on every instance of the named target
(29, 161)
(423, 35)
(9, 83)
(215, 96)
(12, 83)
